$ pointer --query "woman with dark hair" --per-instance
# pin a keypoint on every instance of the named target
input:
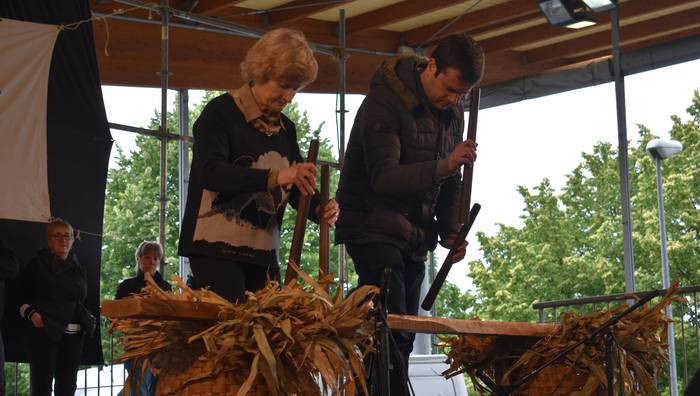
(246, 166)
(54, 287)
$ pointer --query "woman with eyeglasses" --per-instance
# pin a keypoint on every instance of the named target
(54, 287)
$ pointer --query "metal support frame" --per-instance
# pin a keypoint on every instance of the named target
(221, 26)
(342, 76)
(148, 132)
(622, 153)
(666, 281)
(164, 12)
(183, 122)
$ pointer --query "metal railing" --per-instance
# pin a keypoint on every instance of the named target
(685, 316)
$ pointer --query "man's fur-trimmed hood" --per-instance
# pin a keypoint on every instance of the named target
(398, 74)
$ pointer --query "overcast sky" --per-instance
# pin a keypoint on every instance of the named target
(519, 144)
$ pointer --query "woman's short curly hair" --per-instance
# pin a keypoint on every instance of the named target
(282, 55)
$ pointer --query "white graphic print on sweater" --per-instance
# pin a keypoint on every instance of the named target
(243, 219)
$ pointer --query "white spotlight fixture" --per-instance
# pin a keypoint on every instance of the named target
(572, 14)
(601, 5)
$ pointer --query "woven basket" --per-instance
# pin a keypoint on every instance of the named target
(555, 380)
(211, 386)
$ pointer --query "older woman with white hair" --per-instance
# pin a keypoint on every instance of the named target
(246, 166)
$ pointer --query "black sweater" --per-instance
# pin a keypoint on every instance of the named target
(229, 213)
(134, 285)
(55, 288)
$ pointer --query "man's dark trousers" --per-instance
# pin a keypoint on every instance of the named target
(404, 293)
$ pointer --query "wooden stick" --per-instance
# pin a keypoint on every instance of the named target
(441, 276)
(324, 251)
(300, 223)
(468, 172)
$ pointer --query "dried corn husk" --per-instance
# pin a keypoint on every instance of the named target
(640, 352)
(296, 340)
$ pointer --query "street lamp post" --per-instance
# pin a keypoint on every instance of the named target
(660, 149)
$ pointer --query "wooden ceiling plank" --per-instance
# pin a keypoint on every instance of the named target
(631, 32)
(282, 14)
(477, 20)
(395, 13)
(637, 45)
(209, 60)
(547, 31)
(213, 7)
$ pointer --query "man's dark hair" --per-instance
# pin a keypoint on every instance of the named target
(463, 53)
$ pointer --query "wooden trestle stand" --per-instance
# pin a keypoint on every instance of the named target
(514, 332)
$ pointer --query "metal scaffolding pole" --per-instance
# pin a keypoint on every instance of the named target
(342, 64)
(625, 187)
(183, 122)
(622, 155)
(164, 13)
(225, 27)
(342, 83)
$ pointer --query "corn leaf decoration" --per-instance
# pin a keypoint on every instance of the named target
(640, 352)
(292, 340)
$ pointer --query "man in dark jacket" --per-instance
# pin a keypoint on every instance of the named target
(400, 183)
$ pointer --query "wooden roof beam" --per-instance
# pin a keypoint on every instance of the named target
(640, 44)
(395, 13)
(299, 9)
(213, 7)
(547, 31)
(628, 33)
(477, 21)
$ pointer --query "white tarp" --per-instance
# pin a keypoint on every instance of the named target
(25, 59)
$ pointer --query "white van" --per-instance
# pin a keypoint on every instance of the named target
(424, 371)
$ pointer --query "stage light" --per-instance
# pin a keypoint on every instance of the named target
(601, 5)
(573, 14)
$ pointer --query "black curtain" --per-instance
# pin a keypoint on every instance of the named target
(78, 148)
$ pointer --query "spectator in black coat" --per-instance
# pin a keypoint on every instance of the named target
(54, 287)
(148, 256)
(8, 269)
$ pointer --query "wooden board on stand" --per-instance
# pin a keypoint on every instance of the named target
(138, 308)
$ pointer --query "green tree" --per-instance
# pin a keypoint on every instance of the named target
(16, 378)
(571, 243)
